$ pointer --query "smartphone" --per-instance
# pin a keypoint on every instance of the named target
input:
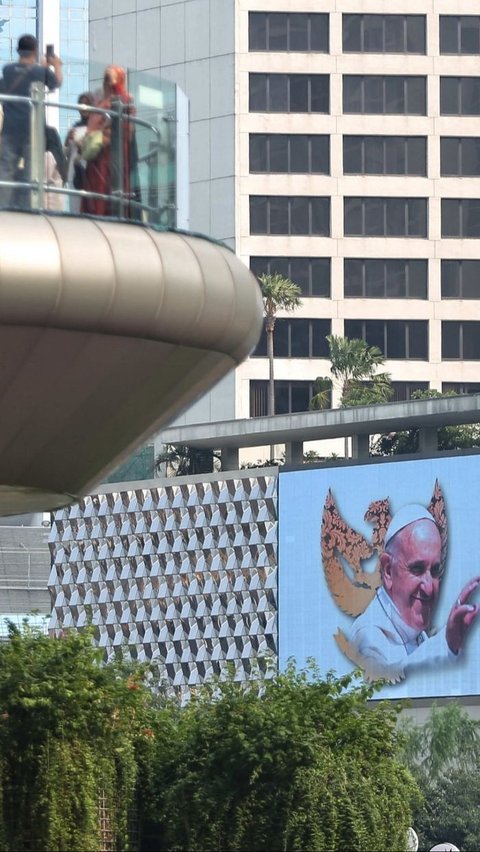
(50, 51)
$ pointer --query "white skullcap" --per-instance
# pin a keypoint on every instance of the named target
(405, 516)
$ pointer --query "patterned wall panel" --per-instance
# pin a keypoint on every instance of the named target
(183, 575)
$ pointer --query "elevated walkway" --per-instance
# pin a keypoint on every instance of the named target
(108, 329)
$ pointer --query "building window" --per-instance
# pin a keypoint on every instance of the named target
(289, 154)
(289, 93)
(290, 397)
(460, 156)
(461, 341)
(459, 95)
(383, 33)
(385, 155)
(385, 217)
(402, 391)
(460, 34)
(281, 31)
(461, 387)
(311, 274)
(378, 95)
(298, 215)
(461, 217)
(297, 338)
(396, 338)
(372, 278)
(460, 279)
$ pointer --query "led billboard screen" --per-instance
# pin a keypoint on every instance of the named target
(379, 567)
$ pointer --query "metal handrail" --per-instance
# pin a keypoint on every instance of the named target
(118, 197)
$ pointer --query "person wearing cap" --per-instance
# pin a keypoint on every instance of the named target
(393, 635)
(18, 78)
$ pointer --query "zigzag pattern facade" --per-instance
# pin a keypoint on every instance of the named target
(183, 576)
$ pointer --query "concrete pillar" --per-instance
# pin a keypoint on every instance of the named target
(360, 446)
(230, 459)
(294, 452)
(428, 440)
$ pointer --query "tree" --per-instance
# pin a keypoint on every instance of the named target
(443, 754)
(354, 369)
(72, 732)
(279, 294)
(304, 763)
(185, 461)
(449, 437)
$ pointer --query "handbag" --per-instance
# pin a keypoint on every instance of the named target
(92, 145)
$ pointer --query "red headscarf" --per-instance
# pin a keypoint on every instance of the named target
(117, 78)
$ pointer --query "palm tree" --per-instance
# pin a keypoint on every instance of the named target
(354, 368)
(279, 294)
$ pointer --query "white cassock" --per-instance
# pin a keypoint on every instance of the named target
(390, 647)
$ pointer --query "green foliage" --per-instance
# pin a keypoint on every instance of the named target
(443, 754)
(354, 368)
(305, 764)
(279, 294)
(70, 729)
(185, 461)
(449, 437)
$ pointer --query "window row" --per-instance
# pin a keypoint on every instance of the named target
(296, 153)
(361, 33)
(374, 278)
(397, 339)
(369, 216)
(409, 339)
(294, 396)
(363, 94)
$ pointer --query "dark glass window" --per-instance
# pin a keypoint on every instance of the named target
(384, 95)
(290, 154)
(290, 396)
(296, 338)
(385, 155)
(386, 217)
(311, 274)
(397, 339)
(289, 93)
(280, 31)
(372, 278)
(461, 341)
(459, 95)
(461, 387)
(281, 214)
(460, 34)
(460, 279)
(461, 217)
(383, 33)
(460, 156)
(402, 391)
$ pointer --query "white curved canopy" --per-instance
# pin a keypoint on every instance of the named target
(108, 330)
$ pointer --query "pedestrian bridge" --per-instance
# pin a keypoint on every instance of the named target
(109, 326)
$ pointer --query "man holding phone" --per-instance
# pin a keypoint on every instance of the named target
(15, 144)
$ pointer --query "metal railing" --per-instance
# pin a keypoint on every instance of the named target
(141, 189)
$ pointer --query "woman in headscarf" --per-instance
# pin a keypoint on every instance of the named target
(102, 173)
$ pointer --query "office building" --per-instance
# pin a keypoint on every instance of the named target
(340, 147)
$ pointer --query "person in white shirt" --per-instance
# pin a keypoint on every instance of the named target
(393, 636)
